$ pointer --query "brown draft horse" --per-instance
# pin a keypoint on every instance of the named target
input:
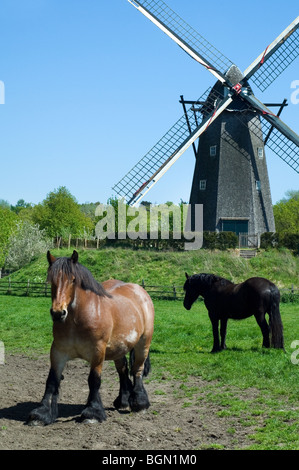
(96, 322)
(223, 299)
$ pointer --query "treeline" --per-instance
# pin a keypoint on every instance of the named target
(27, 230)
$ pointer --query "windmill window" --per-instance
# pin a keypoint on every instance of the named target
(258, 185)
(260, 152)
(213, 150)
(202, 185)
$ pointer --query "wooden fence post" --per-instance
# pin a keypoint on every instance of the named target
(174, 292)
(9, 286)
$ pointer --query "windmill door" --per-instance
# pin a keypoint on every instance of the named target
(235, 225)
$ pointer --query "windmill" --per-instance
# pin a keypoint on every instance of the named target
(232, 127)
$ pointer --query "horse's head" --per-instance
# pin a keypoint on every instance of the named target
(62, 279)
(191, 293)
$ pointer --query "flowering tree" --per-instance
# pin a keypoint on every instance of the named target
(26, 242)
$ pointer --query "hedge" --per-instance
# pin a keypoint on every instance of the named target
(280, 240)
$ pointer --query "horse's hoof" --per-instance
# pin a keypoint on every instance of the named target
(121, 403)
(92, 415)
(139, 403)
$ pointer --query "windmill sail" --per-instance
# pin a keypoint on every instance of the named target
(141, 178)
(234, 89)
(287, 150)
(276, 58)
(185, 36)
(279, 125)
(281, 145)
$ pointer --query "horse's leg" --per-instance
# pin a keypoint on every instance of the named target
(223, 325)
(94, 410)
(138, 399)
(126, 387)
(47, 412)
(215, 324)
(262, 323)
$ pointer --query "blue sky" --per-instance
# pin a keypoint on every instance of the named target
(92, 85)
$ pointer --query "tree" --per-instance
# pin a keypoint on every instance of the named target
(286, 213)
(4, 204)
(26, 242)
(20, 205)
(60, 215)
(7, 225)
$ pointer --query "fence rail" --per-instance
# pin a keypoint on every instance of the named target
(170, 292)
(21, 288)
(43, 289)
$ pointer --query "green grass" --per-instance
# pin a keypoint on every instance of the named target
(257, 387)
(185, 339)
(168, 268)
(25, 324)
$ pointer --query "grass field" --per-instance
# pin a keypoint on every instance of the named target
(181, 348)
(168, 268)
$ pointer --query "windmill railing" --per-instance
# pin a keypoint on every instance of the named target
(249, 240)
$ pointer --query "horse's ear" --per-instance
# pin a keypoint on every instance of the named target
(51, 259)
(187, 276)
(74, 256)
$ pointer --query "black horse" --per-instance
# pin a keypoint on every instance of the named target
(224, 299)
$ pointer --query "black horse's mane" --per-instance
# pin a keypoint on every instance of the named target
(83, 277)
(208, 279)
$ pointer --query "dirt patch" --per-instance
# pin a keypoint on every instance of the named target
(176, 420)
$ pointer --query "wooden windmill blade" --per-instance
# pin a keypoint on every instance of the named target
(268, 66)
(286, 133)
(263, 71)
(148, 171)
(281, 145)
(185, 36)
(275, 58)
(285, 148)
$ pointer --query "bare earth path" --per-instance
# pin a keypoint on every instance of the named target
(173, 422)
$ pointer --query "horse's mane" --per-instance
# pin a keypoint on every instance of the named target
(209, 279)
(83, 277)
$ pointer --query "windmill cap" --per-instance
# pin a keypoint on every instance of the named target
(234, 75)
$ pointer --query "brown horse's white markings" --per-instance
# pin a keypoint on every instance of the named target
(96, 322)
(132, 336)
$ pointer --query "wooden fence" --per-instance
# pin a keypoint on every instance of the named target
(43, 289)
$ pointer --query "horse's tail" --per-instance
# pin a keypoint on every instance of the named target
(276, 328)
(147, 363)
